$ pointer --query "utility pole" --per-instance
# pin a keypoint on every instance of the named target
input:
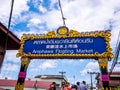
(91, 73)
(62, 73)
(74, 78)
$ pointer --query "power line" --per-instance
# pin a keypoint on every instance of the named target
(10, 14)
(63, 18)
(116, 54)
(9, 23)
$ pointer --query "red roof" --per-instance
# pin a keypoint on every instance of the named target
(114, 82)
(5, 82)
(115, 73)
(38, 84)
(2, 89)
(13, 41)
(28, 83)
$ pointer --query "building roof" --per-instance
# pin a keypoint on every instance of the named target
(37, 84)
(28, 83)
(115, 74)
(114, 82)
(2, 89)
(5, 82)
(13, 41)
(49, 76)
(114, 78)
(52, 77)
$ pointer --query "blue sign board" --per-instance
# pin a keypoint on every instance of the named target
(73, 45)
(76, 45)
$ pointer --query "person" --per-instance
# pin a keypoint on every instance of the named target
(63, 86)
(52, 86)
(74, 87)
(78, 86)
(83, 86)
(67, 87)
(54, 83)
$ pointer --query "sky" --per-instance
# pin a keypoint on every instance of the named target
(42, 16)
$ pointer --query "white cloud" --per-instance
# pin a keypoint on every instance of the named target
(20, 6)
(82, 15)
(42, 9)
(86, 17)
(90, 67)
(35, 21)
(4, 77)
(52, 19)
(1, 76)
(117, 69)
(9, 67)
(48, 64)
(53, 3)
(5, 9)
(34, 69)
(11, 56)
(36, 3)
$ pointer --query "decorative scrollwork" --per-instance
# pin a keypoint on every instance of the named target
(25, 61)
(19, 86)
(103, 62)
(71, 34)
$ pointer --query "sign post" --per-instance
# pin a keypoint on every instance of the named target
(22, 74)
(66, 44)
(103, 64)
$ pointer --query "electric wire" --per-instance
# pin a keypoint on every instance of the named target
(116, 54)
(63, 18)
(6, 39)
(7, 33)
(9, 23)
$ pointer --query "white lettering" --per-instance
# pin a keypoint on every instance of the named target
(64, 51)
(42, 51)
(63, 41)
(84, 51)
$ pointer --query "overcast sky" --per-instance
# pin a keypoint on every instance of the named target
(42, 16)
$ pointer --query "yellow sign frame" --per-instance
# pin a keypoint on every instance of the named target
(72, 33)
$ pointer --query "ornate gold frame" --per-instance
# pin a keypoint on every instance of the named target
(72, 33)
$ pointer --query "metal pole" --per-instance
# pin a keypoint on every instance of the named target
(10, 14)
(9, 23)
(63, 18)
(62, 73)
(91, 73)
(74, 79)
(91, 81)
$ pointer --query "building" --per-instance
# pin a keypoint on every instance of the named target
(114, 80)
(52, 78)
(6, 84)
(8, 41)
(40, 82)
